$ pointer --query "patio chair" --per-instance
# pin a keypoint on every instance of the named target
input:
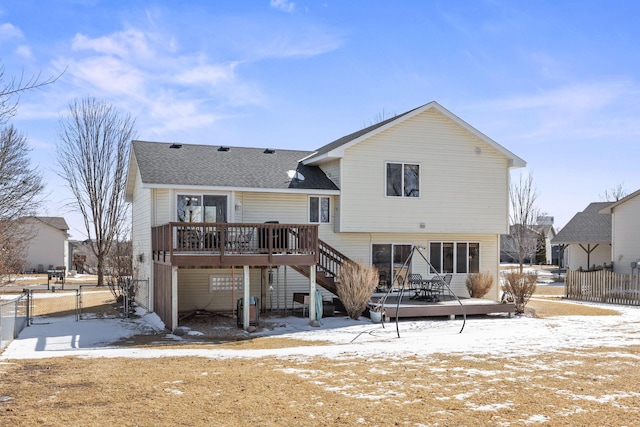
(415, 284)
(438, 288)
(383, 282)
(243, 239)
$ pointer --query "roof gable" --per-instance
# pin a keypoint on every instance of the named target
(336, 148)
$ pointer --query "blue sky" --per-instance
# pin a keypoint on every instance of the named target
(555, 82)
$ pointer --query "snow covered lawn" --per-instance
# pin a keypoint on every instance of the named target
(568, 370)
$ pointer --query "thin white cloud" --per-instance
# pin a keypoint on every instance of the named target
(576, 97)
(283, 5)
(108, 75)
(9, 31)
(213, 75)
(576, 112)
(308, 43)
(24, 52)
(129, 43)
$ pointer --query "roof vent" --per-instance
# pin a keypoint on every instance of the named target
(223, 148)
(269, 151)
(175, 146)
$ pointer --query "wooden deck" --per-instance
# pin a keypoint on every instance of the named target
(211, 244)
(445, 308)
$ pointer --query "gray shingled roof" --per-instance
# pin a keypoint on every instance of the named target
(588, 226)
(56, 222)
(239, 167)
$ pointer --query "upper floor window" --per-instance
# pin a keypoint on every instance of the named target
(403, 180)
(199, 208)
(318, 209)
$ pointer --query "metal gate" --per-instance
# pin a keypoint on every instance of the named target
(45, 304)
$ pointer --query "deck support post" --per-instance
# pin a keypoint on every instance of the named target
(246, 306)
(174, 299)
(312, 295)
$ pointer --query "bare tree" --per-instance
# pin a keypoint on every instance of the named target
(14, 87)
(523, 216)
(21, 187)
(20, 184)
(614, 194)
(93, 151)
(13, 246)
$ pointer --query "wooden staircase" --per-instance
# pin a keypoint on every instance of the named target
(328, 268)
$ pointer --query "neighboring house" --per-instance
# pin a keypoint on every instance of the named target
(625, 233)
(82, 260)
(47, 242)
(541, 233)
(586, 239)
(212, 224)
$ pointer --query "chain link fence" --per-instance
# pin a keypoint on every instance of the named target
(14, 315)
(39, 306)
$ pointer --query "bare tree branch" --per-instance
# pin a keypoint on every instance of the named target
(92, 153)
(614, 193)
(15, 86)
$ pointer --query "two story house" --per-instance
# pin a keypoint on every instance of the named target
(212, 223)
(47, 242)
(625, 233)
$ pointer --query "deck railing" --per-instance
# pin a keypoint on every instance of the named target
(331, 260)
(603, 286)
(234, 238)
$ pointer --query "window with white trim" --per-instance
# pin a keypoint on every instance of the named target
(403, 180)
(455, 257)
(319, 209)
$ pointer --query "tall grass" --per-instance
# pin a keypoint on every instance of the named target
(478, 284)
(357, 283)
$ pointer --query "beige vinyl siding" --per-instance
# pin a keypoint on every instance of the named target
(626, 235)
(141, 230)
(282, 207)
(194, 294)
(164, 207)
(460, 190)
